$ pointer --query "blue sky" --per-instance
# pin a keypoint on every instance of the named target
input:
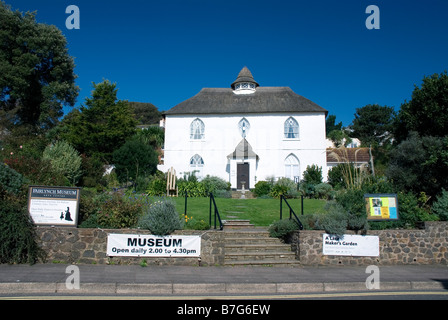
(164, 52)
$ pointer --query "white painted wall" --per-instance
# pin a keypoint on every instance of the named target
(266, 136)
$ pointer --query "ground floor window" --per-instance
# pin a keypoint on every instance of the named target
(292, 168)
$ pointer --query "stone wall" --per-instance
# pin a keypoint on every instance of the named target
(426, 246)
(73, 245)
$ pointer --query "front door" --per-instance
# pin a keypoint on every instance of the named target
(242, 175)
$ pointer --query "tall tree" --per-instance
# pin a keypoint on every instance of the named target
(373, 124)
(102, 125)
(427, 112)
(36, 72)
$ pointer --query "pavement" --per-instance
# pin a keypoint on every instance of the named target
(171, 281)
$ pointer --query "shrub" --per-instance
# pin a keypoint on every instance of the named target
(313, 174)
(10, 179)
(17, 233)
(157, 187)
(212, 184)
(323, 191)
(161, 218)
(64, 159)
(283, 228)
(194, 188)
(285, 187)
(262, 188)
(334, 221)
(119, 212)
(440, 207)
(193, 224)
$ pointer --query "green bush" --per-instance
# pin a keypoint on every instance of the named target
(117, 212)
(10, 179)
(194, 188)
(283, 228)
(157, 187)
(323, 191)
(17, 233)
(262, 188)
(213, 184)
(64, 159)
(440, 207)
(285, 187)
(313, 174)
(161, 218)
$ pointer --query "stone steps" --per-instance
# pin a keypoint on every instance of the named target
(253, 246)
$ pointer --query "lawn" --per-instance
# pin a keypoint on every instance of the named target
(260, 212)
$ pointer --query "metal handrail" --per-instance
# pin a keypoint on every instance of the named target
(216, 215)
(291, 212)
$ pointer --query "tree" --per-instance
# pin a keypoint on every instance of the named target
(427, 112)
(37, 73)
(146, 113)
(420, 164)
(134, 159)
(373, 124)
(102, 125)
(64, 159)
(330, 124)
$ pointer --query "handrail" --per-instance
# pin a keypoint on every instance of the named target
(291, 212)
(212, 199)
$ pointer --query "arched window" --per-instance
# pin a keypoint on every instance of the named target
(292, 170)
(243, 127)
(197, 129)
(197, 165)
(291, 128)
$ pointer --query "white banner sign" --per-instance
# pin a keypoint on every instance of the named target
(351, 245)
(138, 245)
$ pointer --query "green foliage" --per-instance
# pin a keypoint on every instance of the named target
(134, 159)
(17, 233)
(262, 188)
(440, 207)
(37, 72)
(285, 187)
(195, 224)
(161, 218)
(194, 188)
(213, 184)
(10, 180)
(373, 124)
(145, 113)
(64, 159)
(283, 228)
(323, 191)
(420, 164)
(335, 221)
(102, 125)
(118, 211)
(157, 186)
(313, 174)
(426, 112)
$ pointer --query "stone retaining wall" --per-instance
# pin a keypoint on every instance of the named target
(426, 246)
(72, 245)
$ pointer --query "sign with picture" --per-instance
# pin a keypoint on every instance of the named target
(351, 245)
(138, 245)
(56, 206)
(381, 207)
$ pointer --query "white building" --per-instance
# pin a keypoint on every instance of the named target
(245, 133)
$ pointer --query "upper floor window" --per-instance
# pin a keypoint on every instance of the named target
(291, 128)
(197, 129)
(243, 127)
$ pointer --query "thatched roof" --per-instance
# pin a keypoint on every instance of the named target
(263, 100)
